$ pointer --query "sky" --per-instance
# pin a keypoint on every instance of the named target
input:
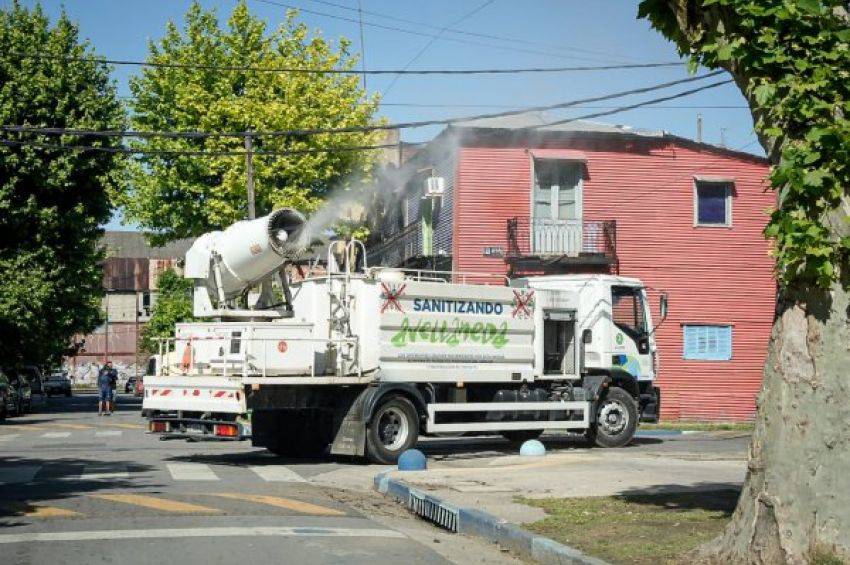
(447, 34)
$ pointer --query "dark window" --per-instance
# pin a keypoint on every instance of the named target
(713, 206)
(235, 342)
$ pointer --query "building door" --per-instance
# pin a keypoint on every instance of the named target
(556, 207)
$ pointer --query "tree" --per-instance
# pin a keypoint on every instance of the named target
(182, 196)
(791, 60)
(52, 201)
(173, 305)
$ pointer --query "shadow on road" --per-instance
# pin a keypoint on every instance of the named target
(26, 482)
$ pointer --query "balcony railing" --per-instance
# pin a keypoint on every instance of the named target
(397, 248)
(543, 237)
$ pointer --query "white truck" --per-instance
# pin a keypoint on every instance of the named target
(367, 360)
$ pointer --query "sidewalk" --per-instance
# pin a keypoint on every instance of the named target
(486, 477)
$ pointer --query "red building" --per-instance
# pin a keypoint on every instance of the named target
(520, 197)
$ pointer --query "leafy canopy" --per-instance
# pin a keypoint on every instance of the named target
(182, 196)
(791, 59)
(52, 201)
(173, 305)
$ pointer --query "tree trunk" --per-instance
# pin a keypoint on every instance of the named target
(795, 504)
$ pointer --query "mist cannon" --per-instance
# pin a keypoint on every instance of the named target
(226, 264)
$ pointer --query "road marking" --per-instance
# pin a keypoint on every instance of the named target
(288, 503)
(18, 474)
(24, 428)
(214, 532)
(108, 433)
(37, 510)
(56, 434)
(191, 472)
(155, 503)
(8, 437)
(278, 473)
(103, 472)
(72, 426)
(129, 426)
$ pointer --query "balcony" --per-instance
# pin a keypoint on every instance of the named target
(398, 249)
(546, 242)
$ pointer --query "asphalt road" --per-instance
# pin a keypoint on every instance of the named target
(76, 488)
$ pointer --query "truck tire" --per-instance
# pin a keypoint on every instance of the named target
(521, 436)
(616, 419)
(393, 430)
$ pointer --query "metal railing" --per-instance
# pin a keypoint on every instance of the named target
(546, 237)
(242, 363)
(398, 247)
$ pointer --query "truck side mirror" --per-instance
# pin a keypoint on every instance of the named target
(587, 336)
(663, 306)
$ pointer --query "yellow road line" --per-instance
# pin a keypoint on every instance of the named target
(23, 428)
(72, 426)
(129, 426)
(39, 511)
(158, 503)
(288, 503)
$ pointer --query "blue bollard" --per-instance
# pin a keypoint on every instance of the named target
(412, 460)
(532, 448)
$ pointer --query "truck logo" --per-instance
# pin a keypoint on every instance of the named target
(619, 339)
(456, 306)
(452, 335)
(523, 304)
(390, 296)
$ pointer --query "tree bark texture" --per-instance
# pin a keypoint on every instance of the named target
(796, 498)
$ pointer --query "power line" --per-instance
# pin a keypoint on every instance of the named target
(331, 149)
(665, 106)
(424, 34)
(353, 129)
(470, 33)
(433, 40)
(301, 70)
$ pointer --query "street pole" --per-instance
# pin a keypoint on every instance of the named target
(106, 331)
(249, 173)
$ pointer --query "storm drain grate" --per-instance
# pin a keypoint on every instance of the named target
(433, 511)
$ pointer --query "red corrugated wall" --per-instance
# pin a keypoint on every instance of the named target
(712, 275)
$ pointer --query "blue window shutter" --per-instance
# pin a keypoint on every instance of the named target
(707, 343)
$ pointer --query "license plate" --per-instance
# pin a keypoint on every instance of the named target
(194, 428)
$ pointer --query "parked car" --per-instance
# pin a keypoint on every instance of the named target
(32, 374)
(8, 397)
(57, 384)
(130, 385)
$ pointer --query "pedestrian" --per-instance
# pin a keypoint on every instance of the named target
(107, 379)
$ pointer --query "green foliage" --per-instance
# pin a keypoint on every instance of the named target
(52, 202)
(174, 197)
(791, 58)
(173, 305)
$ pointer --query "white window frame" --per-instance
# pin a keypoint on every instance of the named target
(728, 184)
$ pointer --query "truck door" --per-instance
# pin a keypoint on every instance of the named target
(559, 354)
(631, 347)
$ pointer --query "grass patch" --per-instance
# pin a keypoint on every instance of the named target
(700, 426)
(635, 529)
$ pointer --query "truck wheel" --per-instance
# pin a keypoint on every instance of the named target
(616, 419)
(393, 430)
(520, 436)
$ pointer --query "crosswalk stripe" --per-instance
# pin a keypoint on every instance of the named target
(7, 437)
(24, 428)
(278, 473)
(155, 503)
(56, 434)
(37, 510)
(213, 532)
(72, 426)
(103, 472)
(18, 473)
(191, 472)
(108, 433)
(288, 503)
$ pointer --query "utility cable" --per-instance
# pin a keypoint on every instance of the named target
(356, 129)
(306, 71)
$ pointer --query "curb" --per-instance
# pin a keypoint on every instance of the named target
(474, 522)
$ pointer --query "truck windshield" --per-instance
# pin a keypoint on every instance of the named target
(627, 310)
